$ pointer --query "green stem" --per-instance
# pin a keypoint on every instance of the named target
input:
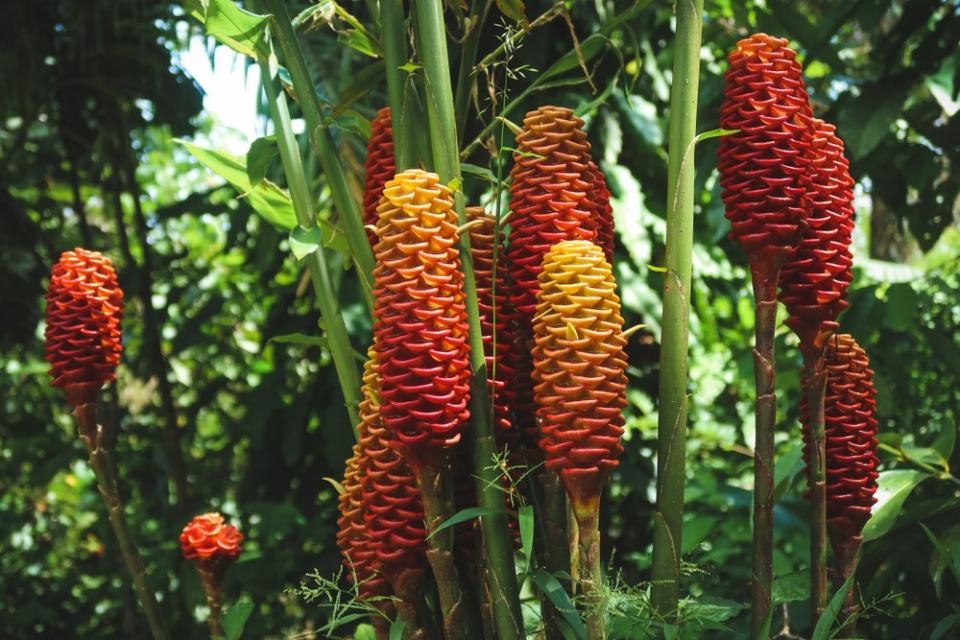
(395, 56)
(554, 549)
(468, 54)
(343, 196)
(816, 465)
(672, 425)
(337, 336)
(437, 508)
(101, 461)
(431, 36)
(765, 294)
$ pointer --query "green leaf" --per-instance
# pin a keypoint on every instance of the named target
(514, 10)
(237, 28)
(788, 466)
(305, 241)
(551, 587)
(352, 122)
(901, 307)
(396, 629)
(267, 199)
(261, 152)
(793, 587)
(196, 9)
(461, 516)
(825, 623)
(235, 619)
(714, 133)
(894, 488)
(300, 338)
(365, 632)
(364, 80)
(589, 47)
(477, 171)
(525, 516)
(946, 440)
(410, 67)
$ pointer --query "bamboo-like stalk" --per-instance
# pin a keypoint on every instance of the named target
(845, 559)
(468, 55)
(765, 295)
(672, 425)
(431, 37)
(343, 196)
(100, 447)
(816, 466)
(394, 27)
(337, 336)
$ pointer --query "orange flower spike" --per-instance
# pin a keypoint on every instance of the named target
(379, 167)
(208, 541)
(420, 318)
(579, 368)
(84, 310)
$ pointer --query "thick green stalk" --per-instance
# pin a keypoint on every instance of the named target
(672, 425)
(395, 56)
(101, 461)
(431, 37)
(816, 390)
(765, 377)
(351, 217)
(337, 336)
(468, 55)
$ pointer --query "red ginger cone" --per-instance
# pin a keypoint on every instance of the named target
(379, 167)
(84, 309)
(496, 316)
(556, 194)
(212, 545)
(851, 437)
(762, 167)
(579, 367)
(816, 276)
(420, 319)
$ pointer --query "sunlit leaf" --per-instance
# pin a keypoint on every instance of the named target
(235, 27)
(261, 153)
(235, 619)
(893, 490)
(305, 241)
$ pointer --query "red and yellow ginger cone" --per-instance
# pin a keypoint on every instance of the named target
(420, 319)
(816, 276)
(84, 310)
(552, 199)
(212, 546)
(381, 533)
(762, 167)
(580, 377)
(379, 167)
(851, 447)
(579, 368)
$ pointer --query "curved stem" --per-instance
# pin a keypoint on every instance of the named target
(672, 422)
(101, 461)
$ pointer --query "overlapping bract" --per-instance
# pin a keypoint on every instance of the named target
(497, 320)
(549, 196)
(84, 310)
(579, 366)
(851, 437)
(379, 167)
(210, 542)
(603, 212)
(815, 278)
(762, 167)
(420, 318)
(381, 517)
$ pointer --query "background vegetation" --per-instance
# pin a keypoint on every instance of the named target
(217, 413)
